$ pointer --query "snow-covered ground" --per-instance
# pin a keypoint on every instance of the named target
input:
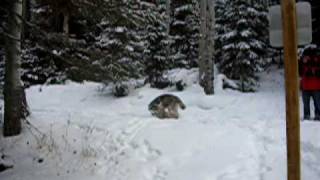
(80, 131)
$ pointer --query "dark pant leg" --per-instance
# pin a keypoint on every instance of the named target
(316, 99)
(306, 103)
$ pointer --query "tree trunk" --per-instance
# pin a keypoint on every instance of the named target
(15, 105)
(206, 51)
(66, 18)
(209, 70)
(202, 43)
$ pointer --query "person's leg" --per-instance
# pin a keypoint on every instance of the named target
(306, 104)
(316, 100)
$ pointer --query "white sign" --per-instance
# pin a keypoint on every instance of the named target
(304, 24)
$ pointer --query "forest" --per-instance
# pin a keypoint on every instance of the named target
(76, 78)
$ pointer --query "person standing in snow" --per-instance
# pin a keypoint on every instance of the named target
(309, 71)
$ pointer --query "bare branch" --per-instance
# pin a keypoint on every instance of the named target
(7, 35)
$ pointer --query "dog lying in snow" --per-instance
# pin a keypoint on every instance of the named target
(166, 106)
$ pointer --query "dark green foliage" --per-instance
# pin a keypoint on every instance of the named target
(220, 28)
(242, 42)
(120, 90)
(40, 67)
(2, 66)
(155, 54)
(113, 41)
(125, 39)
(103, 43)
(3, 15)
(123, 52)
(179, 48)
(180, 85)
(184, 31)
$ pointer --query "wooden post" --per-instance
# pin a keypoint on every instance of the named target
(292, 88)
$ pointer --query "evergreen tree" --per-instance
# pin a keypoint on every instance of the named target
(261, 28)
(81, 51)
(39, 67)
(221, 29)
(185, 32)
(39, 62)
(122, 40)
(242, 44)
(157, 41)
(2, 64)
(3, 15)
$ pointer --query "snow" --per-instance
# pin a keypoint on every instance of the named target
(55, 52)
(188, 77)
(120, 29)
(178, 22)
(229, 34)
(80, 131)
(182, 8)
(245, 33)
(243, 46)
(130, 48)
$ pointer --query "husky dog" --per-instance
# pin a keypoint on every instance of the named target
(166, 106)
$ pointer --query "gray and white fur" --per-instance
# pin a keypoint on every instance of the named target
(166, 106)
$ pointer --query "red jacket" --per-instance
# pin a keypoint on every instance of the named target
(309, 69)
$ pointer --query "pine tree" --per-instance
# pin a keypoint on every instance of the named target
(122, 41)
(157, 41)
(74, 49)
(38, 67)
(39, 62)
(185, 32)
(2, 64)
(3, 15)
(261, 24)
(242, 44)
(220, 28)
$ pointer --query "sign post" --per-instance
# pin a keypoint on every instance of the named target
(292, 88)
(290, 26)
